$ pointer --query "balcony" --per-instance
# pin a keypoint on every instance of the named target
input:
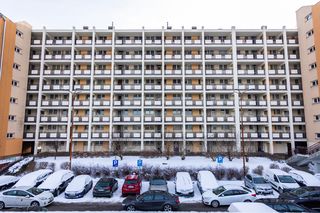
(255, 135)
(193, 72)
(296, 87)
(152, 135)
(295, 72)
(81, 87)
(173, 102)
(29, 135)
(127, 72)
(99, 135)
(123, 135)
(252, 87)
(280, 119)
(297, 103)
(173, 72)
(81, 103)
(250, 72)
(126, 119)
(35, 57)
(103, 57)
(292, 41)
(79, 119)
(102, 72)
(193, 87)
(190, 119)
(127, 87)
(82, 72)
(220, 103)
(156, 118)
(278, 103)
(300, 135)
(103, 42)
(57, 57)
(34, 72)
(173, 57)
(98, 102)
(100, 87)
(222, 135)
(128, 42)
(219, 87)
(278, 87)
(156, 41)
(217, 41)
(152, 72)
(173, 87)
(100, 118)
(128, 57)
(53, 118)
(193, 57)
(219, 72)
(249, 41)
(80, 135)
(274, 41)
(55, 103)
(127, 103)
(275, 56)
(59, 42)
(190, 135)
(177, 41)
(189, 41)
(177, 135)
(30, 118)
(52, 135)
(56, 87)
(82, 57)
(194, 102)
(32, 87)
(293, 56)
(280, 135)
(250, 57)
(56, 72)
(36, 42)
(298, 119)
(152, 103)
(175, 118)
(152, 87)
(218, 57)
(277, 72)
(31, 102)
(253, 103)
(83, 41)
(251, 119)
(228, 119)
(153, 57)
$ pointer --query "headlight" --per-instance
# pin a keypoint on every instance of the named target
(43, 198)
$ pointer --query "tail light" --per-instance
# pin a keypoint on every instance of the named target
(254, 195)
(108, 188)
(177, 200)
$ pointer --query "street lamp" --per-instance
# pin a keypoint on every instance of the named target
(73, 95)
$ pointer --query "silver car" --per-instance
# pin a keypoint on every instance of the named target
(258, 183)
(158, 183)
(23, 196)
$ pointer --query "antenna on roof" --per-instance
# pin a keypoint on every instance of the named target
(168, 27)
(110, 27)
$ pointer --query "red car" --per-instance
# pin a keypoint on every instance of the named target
(132, 185)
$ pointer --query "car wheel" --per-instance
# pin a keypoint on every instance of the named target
(2, 206)
(111, 194)
(131, 208)
(167, 208)
(248, 201)
(280, 190)
(215, 204)
(35, 204)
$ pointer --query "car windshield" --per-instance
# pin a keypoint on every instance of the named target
(35, 191)
(103, 184)
(219, 190)
(259, 180)
(158, 182)
(299, 191)
(130, 182)
(286, 179)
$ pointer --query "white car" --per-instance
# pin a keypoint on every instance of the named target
(57, 182)
(280, 180)
(250, 207)
(7, 181)
(206, 181)
(225, 195)
(24, 196)
(317, 175)
(184, 185)
(78, 187)
(304, 178)
(34, 178)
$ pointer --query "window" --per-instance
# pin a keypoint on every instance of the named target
(11, 193)
(317, 117)
(15, 83)
(314, 83)
(13, 100)
(309, 33)
(147, 197)
(12, 117)
(312, 66)
(19, 33)
(308, 17)
(311, 49)
(18, 50)
(10, 135)
(317, 135)
(16, 66)
(316, 100)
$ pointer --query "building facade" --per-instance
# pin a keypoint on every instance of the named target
(14, 59)
(308, 21)
(177, 90)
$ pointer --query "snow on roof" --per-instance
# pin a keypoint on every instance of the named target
(250, 207)
(278, 172)
(307, 177)
(231, 186)
(6, 179)
(17, 166)
(78, 183)
(55, 179)
(207, 180)
(184, 181)
(32, 178)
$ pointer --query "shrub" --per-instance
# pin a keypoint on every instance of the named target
(169, 173)
(232, 173)
(286, 169)
(125, 170)
(219, 172)
(274, 166)
(258, 170)
(64, 165)
(245, 172)
(42, 165)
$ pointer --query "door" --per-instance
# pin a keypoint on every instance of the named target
(24, 198)
(10, 198)
(159, 200)
(228, 197)
(145, 202)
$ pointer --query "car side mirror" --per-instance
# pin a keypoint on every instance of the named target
(27, 196)
(222, 195)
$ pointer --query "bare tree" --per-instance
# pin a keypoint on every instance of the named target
(56, 148)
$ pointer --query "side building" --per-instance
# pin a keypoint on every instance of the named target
(177, 90)
(14, 63)
(308, 21)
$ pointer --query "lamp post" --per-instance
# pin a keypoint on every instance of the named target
(73, 95)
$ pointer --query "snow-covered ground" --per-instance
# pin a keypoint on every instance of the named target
(17, 166)
(145, 185)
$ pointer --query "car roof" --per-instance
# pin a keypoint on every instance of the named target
(157, 178)
(255, 175)
(230, 186)
(106, 179)
(20, 188)
(132, 177)
(278, 172)
(310, 188)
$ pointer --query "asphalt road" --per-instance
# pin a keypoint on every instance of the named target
(117, 207)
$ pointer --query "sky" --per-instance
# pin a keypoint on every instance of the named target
(153, 14)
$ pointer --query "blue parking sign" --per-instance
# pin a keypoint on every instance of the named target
(219, 159)
(115, 163)
(139, 163)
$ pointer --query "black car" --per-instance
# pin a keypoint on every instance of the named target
(281, 205)
(152, 201)
(308, 196)
(105, 187)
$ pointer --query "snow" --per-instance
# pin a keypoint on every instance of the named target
(32, 178)
(317, 175)
(78, 183)
(207, 180)
(55, 179)
(183, 182)
(7, 179)
(306, 177)
(250, 207)
(17, 166)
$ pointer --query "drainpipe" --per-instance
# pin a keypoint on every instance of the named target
(3, 39)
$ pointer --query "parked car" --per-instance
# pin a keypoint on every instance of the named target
(317, 175)
(24, 196)
(281, 205)
(246, 207)
(206, 181)
(184, 185)
(308, 196)
(280, 180)
(7, 181)
(34, 179)
(258, 184)
(304, 178)
(225, 195)
(132, 185)
(57, 182)
(158, 183)
(153, 201)
(105, 187)
(78, 187)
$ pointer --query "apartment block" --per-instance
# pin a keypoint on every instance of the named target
(177, 90)
(308, 21)
(14, 59)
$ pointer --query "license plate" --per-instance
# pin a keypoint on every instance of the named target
(130, 187)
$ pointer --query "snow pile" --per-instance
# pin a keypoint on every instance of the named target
(55, 179)
(32, 178)
(17, 166)
(7, 179)
(207, 180)
(250, 207)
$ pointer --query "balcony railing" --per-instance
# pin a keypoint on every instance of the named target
(278, 103)
(128, 57)
(221, 135)
(249, 119)
(218, 57)
(280, 119)
(152, 135)
(219, 87)
(56, 72)
(194, 118)
(153, 57)
(173, 87)
(194, 102)
(250, 72)
(156, 118)
(52, 135)
(80, 119)
(277, 87)
(156, 41)
(152, 72)
(152, 103)
(173, 57)
(220, 103)
(98, 102)
(30, 118)
(217, 41)
(98, 135)
(82, 57)
(298, 119)
(126, 118)
(152, 87)
(81, 103)
(123, 135)
(52, 118)
(80, 135)
(55, 103)
(32, 102)
(173, 72)
(100, 87)
(220, 119)
(83, 41)
(102, 72)
(194, 72)
(189, 57)
(249, 41)
(56, 87)
(103, 42)
(296, 87)
(300, 135)
(252, 87)
(173, 135)
(100, 118)
(82, 72)
(219, 72)
(297, 103)
(193, 87)
(250, 56)
(128, 42)
(277, 72)
(275, 56)
(81, 87)
(103, 57)
(127, 72)
(127, 87)
(127, 103)
(177, 41)
(175, 118)
(190, 135)
(280, 135)
(57, 57)
(195, 41)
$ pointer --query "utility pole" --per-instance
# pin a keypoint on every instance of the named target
(73, 95)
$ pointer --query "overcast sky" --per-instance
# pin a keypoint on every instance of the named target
(154, 13)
